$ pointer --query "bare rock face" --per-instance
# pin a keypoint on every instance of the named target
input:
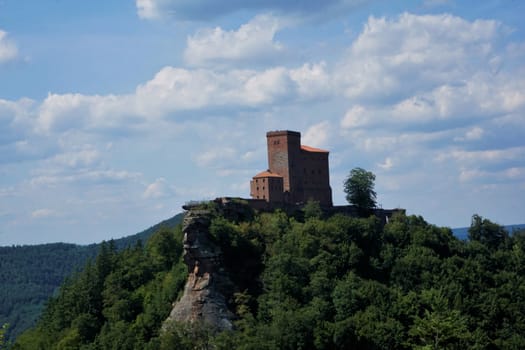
(204, 294)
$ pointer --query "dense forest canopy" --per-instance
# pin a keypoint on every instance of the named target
(29, 275)
(305, 282)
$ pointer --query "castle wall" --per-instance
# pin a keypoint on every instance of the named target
(269, 188)
(316, 176)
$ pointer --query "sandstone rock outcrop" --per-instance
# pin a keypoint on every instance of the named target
(204, 299)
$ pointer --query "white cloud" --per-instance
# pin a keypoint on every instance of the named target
(43, 213)
(492, 177)
(313, 81)
(253, 41)
(83, 157)
(417, 73)
(149, 9)
(175, 90)
(387, 164)
(15, 119)
(160, 188)
(8, 49)
(355, 117)
(399, 57)
(484, 156)
(60, 112)
(317, 135)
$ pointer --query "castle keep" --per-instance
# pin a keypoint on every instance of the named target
(296, 173)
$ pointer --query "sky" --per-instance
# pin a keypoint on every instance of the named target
(113, 114)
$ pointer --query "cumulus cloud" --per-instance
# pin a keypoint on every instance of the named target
(208, 9)
(8, 49)
(60, 112)
(418, 71)
(174, 90)
(399, 57)
(317, 135)
(253, 41)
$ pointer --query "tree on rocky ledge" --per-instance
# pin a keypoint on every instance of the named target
(359, 189)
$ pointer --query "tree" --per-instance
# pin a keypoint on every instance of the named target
(312, 210)
(487, 232)
(3, 330)
(359, 189)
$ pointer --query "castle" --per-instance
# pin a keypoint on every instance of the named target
(296, 173)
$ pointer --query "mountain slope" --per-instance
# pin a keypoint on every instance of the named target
(30, 274)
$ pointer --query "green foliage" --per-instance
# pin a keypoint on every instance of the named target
(119, 301)
(359, 189)
(29, 275)
(487, 232)
(334, 283)
(312, 210)
(2, 336)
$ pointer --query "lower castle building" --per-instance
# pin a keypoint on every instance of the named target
(296, 173)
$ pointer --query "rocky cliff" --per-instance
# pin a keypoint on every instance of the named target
(208, 287)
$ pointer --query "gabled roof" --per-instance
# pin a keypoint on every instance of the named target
(312, 149)
(266, 173)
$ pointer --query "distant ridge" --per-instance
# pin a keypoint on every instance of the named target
(462, 232)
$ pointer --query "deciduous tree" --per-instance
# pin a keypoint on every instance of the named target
(359, 189)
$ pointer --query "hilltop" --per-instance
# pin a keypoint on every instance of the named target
(296, 281)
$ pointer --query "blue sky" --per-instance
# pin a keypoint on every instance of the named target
(113, 114)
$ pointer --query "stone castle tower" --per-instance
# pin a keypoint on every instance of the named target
(296, 173)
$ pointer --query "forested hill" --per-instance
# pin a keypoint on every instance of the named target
(30, 274)
(462, 232)
(304, 282)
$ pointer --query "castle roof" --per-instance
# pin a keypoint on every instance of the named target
(312, 149)
(266, 173)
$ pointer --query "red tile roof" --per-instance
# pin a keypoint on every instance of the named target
(267, 173)
(312, 149)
